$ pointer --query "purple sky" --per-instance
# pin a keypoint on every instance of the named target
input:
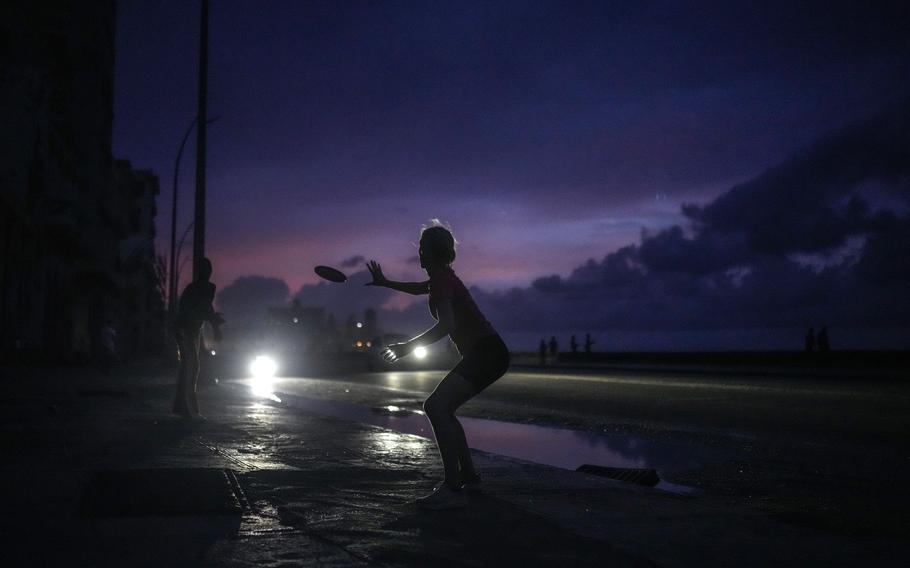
(547, 134)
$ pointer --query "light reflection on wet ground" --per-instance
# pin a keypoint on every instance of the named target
(557, 447)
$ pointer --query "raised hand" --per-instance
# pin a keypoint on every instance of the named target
(395, 352)
(379, 278)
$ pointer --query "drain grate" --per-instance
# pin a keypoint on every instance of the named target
(638, 476)
(164, 492)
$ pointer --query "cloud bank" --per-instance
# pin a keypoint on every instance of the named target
(821, 238)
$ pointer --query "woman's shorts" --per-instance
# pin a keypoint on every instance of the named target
(485, 362)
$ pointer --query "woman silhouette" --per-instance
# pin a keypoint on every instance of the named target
(485, 358)
(193, 310)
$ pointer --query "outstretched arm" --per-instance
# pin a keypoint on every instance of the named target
(443, 327)
(214, 318)
(379, 279)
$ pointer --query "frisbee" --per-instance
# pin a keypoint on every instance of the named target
(330, 274)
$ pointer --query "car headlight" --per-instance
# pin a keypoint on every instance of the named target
(420, 352)
(263, 367)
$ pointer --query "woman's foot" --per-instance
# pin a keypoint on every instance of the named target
(443, 497)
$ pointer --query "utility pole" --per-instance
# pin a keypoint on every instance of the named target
(201, 120)
(172, 273)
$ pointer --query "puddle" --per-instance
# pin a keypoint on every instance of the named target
(567, 449)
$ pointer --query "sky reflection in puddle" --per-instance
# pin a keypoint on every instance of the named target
(557, 447)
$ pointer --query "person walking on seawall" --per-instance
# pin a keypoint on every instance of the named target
(588, 344)
(554, 349)
(822, 339)
(573, 345)
(485, 358)
(810, 340)
(193, 310)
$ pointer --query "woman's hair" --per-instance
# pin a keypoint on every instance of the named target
(437, 241)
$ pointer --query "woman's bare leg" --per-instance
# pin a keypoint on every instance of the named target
(465, 463)
(453, 391)
(180, 400)
(193, 378)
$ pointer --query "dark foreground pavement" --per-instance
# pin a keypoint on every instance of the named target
(95, 472)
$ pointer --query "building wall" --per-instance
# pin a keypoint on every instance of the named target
(62, 218)
(142, 309)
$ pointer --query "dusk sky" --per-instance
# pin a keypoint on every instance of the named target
(561, 141)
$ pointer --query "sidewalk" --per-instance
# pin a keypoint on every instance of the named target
(318, 491)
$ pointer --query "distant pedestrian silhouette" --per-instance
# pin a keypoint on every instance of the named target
(554, 349)
(573, 344)
(810, 340)
(543, 352)
(588, 343)
(485, 358)
(823, 345)
(194, 309)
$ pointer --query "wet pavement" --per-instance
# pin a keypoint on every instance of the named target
(557, 447)
(324, 490)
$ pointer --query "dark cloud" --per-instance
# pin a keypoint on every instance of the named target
(246, 299)
(814, 201)
(737, 263)
(353, 261)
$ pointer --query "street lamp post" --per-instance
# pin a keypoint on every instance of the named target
(172, 274)
(202, 118)
(172, 280)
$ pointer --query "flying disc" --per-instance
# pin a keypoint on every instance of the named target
(330, 274)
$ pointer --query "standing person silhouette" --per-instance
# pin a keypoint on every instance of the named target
(194, 309)
(485, 358)
(822, 340)
(809, 342)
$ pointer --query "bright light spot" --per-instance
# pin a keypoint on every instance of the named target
(263, 367)
(359, 325)
(392, 408)
(420, 352)
(393, 443)
(213, 352)
(296, 320)
(262, 386)
(369, 343)
(360, 344)
(263, 370)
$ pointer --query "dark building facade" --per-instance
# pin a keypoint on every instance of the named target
(63, 218)
(140, 273)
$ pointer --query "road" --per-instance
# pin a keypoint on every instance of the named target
(827, 452)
